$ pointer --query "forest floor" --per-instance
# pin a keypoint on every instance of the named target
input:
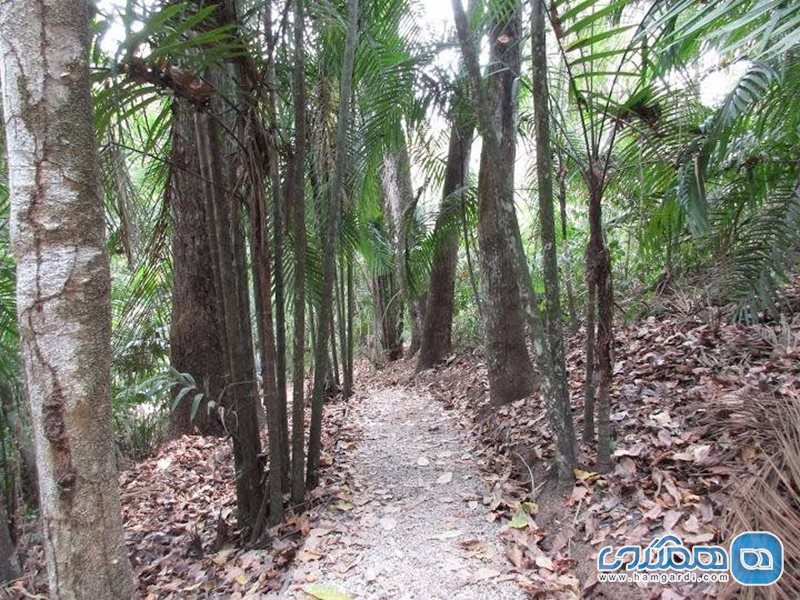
(428, 491)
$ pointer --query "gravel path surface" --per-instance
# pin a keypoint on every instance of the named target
(416, 525)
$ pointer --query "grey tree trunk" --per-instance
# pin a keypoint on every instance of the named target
(63, 292)
(507, 360)
(341, 311)
(195, 346)
(437, 331)
(326, 308)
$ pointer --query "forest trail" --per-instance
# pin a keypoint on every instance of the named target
(415, 527)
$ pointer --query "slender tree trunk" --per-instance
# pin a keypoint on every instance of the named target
(437, 331)
(601, 270)
(341, 312)
(561, 418)
(351, 313)
(567, 263)
(263, 296)
(388, 319)
(398, 197)
(63, 292)
(334, 355)
(416, 315)
(589, 367)
(473, 280)
(115, 175)
(278, 225)
(239, 400)
(508, 363)
(297, 202)
(321, 366)
(195, 346)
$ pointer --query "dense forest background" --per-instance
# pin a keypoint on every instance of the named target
(292, 189)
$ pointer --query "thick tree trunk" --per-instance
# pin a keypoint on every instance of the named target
(564, 460)
(63, 292)
(337, 184)
(297, 202)
(437, 331)
(507, 360)
(561, 412)
(195, 346)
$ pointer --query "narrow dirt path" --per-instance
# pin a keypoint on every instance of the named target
(415, 525)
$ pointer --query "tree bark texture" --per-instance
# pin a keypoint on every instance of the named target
(507, 360)
(195, 333)
(437, 331)
(63, 292)
(599, 268)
